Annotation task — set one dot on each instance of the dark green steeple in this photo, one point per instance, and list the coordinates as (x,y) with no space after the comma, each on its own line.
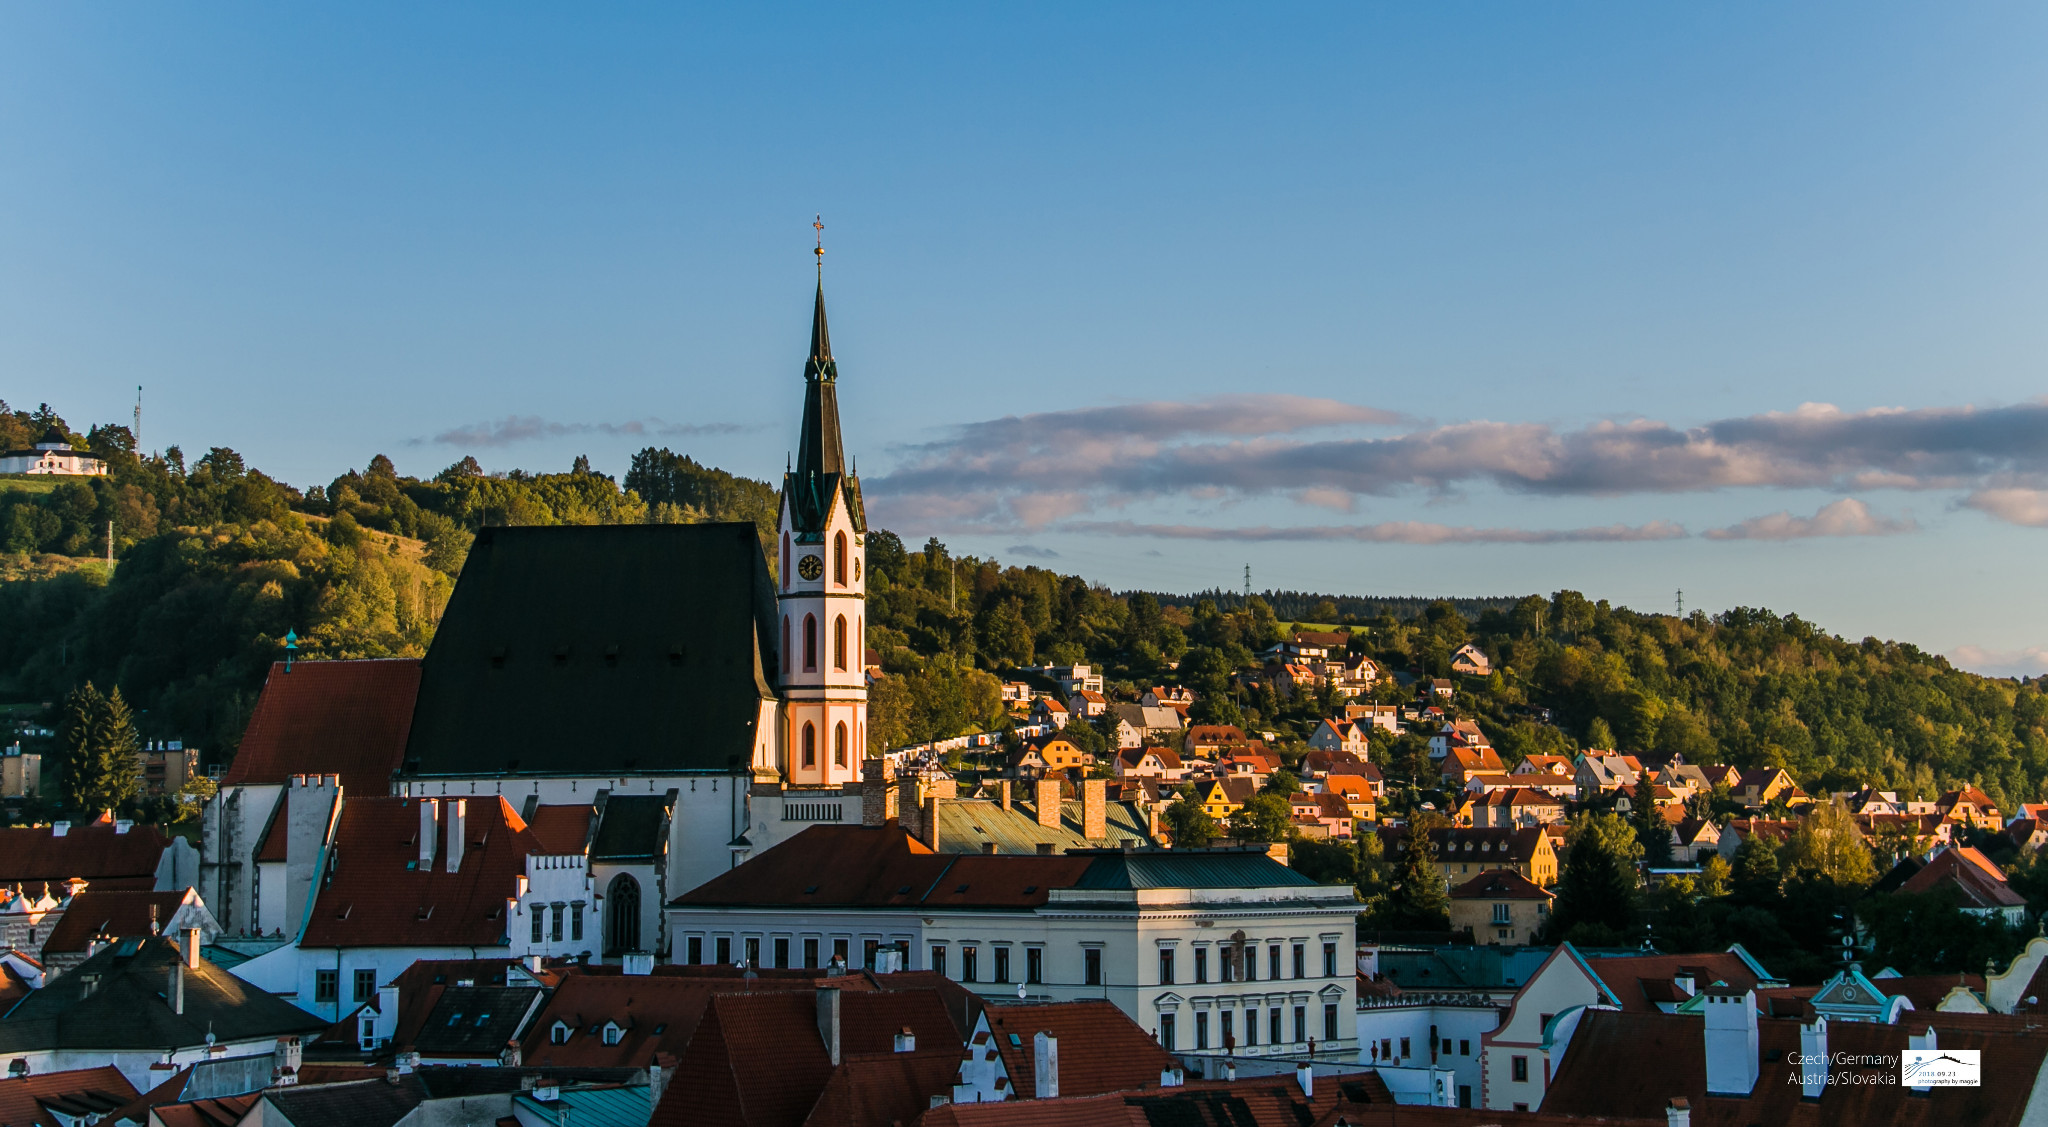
(820,455)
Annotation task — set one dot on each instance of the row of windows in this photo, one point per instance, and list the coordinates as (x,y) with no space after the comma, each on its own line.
(1227,1030)
(999,966)
(810,744)
(839,642)
(1230,968)
(543,932)
(839,559)
(780,951)
(327,984)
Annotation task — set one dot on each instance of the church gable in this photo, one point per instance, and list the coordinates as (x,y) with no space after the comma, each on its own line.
(595,650)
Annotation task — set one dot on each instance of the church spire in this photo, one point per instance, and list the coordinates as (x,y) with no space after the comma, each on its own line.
(819,452)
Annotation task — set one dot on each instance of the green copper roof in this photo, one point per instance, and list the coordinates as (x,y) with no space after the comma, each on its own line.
(1192,868)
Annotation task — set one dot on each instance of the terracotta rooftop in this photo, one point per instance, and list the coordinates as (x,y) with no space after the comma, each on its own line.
(346,718)
(882,866)
(118,912)
(562,829)
(75,1094)
(101,853)
(1101,1049)
(376,896)
(1501,884)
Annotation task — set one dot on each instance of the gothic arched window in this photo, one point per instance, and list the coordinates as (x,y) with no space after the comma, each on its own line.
(810,745)
(785,643)
(810,644)
(785,561)
(839,642)
(839,745)
(839,558)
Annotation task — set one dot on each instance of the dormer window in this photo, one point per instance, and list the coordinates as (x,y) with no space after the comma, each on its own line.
(559,1033)
(612,1033)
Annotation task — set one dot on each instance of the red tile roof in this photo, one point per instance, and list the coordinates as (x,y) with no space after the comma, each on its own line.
(1501,884)
(881,866)
(878,1089)
(1101,1049)
(561,829)
(98,852)
(1641,980)
(758,1060)
(659,1014)
(223,1112)
(372,899)
(1981,883)
(121,912)
(77,1093)
(346,718)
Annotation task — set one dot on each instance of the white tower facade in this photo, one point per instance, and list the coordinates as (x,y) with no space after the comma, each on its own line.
(821,590)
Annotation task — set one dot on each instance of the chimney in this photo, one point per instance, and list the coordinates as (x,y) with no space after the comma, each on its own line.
(510,1056)
(177,990)
(1305,1075)
(1171,1077)
(877,793)
(285,1059)
(430,831)
(1003,793)
(658,1075)
(1679,1114)
(458,832)
(191,948)
(1813,1057)
(930,828)
(1045,1065)
(1094,809)
(906,1040)
(1924,1040)
(1048,799)
(1731,1038)
(1045,849)
(828,1021)
(988,847)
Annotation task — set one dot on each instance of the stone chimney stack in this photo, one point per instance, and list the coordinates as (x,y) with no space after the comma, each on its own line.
(1678,1113)
(828,1021)
(430,832)
(177,990)
(458,832)
(658,1075)
(1305,1075)
(1731,1037)
(190,948)
(1045,1065)
(1003,793)
(930,829)
(877,793)
(1048,798)
(1095,809)
(1813,1052)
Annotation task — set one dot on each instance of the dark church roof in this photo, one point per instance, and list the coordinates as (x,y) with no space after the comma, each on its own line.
(589,650)
(820,472)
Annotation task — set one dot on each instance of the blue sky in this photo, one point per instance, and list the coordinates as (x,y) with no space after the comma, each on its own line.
(1374,298)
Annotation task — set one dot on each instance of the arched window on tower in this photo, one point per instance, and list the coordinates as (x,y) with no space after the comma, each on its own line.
(839,558)
(810,745)
(785,643)
(839,745)
(785,561)
(839,642)
(622,915)
(810,644)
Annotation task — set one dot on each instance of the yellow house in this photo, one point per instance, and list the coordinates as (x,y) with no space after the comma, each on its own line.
(1220,798)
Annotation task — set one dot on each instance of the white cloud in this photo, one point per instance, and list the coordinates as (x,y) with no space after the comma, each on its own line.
(524,428)
(1846,517)
(2029,662)
(1386,532)
(2013,506)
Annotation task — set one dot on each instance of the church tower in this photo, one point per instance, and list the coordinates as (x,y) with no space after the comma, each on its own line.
(821,591)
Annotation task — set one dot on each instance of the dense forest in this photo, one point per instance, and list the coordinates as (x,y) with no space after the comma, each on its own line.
(216,561)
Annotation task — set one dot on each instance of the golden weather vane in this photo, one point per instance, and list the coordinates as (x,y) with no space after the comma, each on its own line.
(818,221)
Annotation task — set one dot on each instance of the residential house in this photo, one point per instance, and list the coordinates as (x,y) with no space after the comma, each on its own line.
(1525,1052)
(1715,775)
(1317,764)
(1293,678)
(1440,688)
(1539,764)
(1087,703)
(1177,940)
(1693,838)
(28,916)
(1071,679)
(1500,907)
(1320,815)
(1759,788)
(1463,852)
(1139,724)
(1518,806)
(1017,694)
(139,1004)
(1162,696)
(1599,773)
(21,773)
(1979,885)
(1339,735)
(1459,733)
(1486,782)
(1048,753)
(1774,830)
(1359,791)
(167,765)
(1212,739)
(1471,661)
(1050,713)
(1220,798)
(1354,676)
(1970,807)
(1252,762)
(1464,762)
(1385,717)
(1149,763)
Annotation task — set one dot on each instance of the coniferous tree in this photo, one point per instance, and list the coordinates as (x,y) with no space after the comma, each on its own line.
(1653,833)
(75,731)
(1596,894)
(1421,898)
(112,767)
(1757,877)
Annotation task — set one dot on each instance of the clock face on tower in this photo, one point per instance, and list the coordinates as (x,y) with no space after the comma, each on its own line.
(811,567)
